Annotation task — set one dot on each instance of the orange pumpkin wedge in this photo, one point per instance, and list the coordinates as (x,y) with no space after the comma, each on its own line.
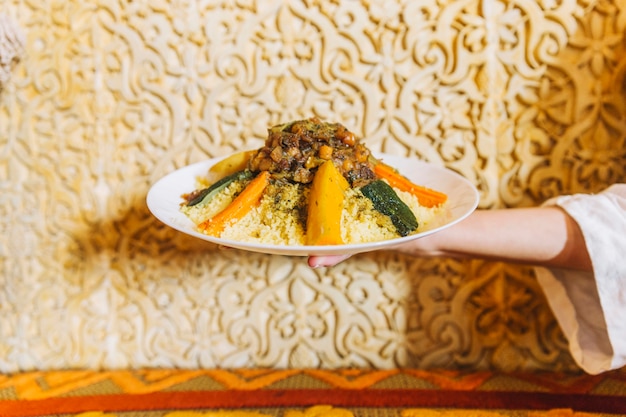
(326,198)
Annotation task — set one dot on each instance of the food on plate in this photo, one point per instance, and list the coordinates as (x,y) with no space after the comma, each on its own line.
(312,183)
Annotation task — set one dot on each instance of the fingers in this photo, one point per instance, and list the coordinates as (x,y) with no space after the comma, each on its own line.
(329,260)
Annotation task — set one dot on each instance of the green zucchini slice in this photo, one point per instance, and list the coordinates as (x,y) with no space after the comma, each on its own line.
(386,201)
(207,194)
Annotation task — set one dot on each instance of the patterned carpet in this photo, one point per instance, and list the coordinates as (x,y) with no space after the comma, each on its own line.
(291,393)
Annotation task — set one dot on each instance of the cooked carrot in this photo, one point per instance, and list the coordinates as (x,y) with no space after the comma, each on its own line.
(426,196)
(239,207)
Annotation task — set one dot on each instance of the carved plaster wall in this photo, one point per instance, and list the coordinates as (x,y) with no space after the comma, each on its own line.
(525,98)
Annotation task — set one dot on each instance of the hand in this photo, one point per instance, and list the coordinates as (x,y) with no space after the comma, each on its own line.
(327,260)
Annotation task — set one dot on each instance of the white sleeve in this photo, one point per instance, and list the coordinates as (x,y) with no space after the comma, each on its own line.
(591,307)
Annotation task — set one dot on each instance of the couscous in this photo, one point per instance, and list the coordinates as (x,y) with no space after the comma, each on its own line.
(313,183)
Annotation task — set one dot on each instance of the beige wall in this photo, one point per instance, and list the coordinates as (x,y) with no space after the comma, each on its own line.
(523,98)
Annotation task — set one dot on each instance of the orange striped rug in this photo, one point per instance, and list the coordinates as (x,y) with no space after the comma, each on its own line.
(314,393)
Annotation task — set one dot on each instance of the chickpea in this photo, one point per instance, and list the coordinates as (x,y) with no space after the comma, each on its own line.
(345,136)
(325,152)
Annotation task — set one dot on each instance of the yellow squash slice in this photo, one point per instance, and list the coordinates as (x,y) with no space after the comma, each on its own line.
(229,165)
(323,226)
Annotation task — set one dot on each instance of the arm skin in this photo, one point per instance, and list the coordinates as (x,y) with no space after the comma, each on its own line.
(541,236)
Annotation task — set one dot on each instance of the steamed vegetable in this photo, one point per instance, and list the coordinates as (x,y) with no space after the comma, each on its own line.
(239,207)
(325,206)
(207,194)
(426,196)
(229,165)
(386,201)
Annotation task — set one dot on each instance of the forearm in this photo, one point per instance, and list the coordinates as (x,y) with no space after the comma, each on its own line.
(544,236)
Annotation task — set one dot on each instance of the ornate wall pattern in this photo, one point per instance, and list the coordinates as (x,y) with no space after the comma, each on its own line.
(525,98)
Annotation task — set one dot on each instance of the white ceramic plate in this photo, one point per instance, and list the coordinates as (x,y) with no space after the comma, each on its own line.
(164,200)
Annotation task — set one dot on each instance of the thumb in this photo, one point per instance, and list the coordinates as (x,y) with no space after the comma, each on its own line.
(329,260)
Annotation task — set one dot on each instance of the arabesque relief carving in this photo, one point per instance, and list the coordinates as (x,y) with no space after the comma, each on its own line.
(525,99)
